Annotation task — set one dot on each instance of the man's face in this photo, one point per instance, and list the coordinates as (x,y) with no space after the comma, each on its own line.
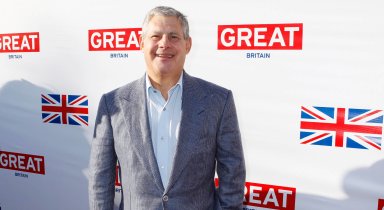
(164,46)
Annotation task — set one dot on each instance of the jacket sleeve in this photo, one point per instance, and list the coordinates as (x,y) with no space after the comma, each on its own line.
(102,162)
(230,159)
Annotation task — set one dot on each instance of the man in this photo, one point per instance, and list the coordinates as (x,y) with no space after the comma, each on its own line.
(169,131)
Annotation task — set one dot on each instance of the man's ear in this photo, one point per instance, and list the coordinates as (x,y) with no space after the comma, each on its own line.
(189,44)
(141,43)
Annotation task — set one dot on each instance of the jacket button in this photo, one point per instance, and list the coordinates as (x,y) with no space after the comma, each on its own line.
(165,198)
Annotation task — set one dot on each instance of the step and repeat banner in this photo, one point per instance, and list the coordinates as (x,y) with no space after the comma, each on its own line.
(307,77)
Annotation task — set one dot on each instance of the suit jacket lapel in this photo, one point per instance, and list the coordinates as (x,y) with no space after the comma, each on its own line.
(134,106)
(192,114)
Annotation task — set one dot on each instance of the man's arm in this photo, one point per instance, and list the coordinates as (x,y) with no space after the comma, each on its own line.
(230,159)
(102,162)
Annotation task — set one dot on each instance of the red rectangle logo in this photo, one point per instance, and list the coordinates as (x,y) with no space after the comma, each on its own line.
(22,162)
(117,176)
(20,42)
(114,39)
(260,37)
(380,205)
(269,196)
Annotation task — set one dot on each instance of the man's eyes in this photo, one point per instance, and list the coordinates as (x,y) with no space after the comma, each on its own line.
(170,37)
(155,37)
(174,37)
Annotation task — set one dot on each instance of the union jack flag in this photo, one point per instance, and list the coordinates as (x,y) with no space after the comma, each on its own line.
(341,127)
(64,109)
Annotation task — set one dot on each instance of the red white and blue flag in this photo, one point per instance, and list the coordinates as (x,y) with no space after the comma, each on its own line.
(64,109)
(341,127)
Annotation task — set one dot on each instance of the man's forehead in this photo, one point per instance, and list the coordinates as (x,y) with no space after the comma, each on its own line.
(156,26)
(170,32)
(169,20)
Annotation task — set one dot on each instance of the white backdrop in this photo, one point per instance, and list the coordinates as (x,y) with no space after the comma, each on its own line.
(340,65)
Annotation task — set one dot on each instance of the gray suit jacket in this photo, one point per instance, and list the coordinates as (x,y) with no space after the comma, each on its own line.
(209,140)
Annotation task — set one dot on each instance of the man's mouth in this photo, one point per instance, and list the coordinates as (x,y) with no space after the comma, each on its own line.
(164,55)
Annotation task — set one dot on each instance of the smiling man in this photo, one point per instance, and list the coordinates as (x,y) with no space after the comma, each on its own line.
(170,132)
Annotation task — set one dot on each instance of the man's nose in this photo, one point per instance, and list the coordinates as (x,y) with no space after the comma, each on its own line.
(164,42)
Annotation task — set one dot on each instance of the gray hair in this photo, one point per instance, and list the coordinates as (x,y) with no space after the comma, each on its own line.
(166,11)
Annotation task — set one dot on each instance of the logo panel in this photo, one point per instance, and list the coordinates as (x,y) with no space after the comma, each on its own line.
(380,205)
(341,127)
(260,37)
(20,42)
(22,162)
(268,196)
(114,39)
(64,109)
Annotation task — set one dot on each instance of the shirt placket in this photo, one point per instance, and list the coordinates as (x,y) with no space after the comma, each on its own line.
(163,145)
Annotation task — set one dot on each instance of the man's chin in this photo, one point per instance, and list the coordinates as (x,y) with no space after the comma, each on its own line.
(167,71)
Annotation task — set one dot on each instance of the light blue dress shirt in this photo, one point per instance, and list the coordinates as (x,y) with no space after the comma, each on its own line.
(164,120)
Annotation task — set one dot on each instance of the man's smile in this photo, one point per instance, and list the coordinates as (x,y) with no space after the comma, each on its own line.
(162,55)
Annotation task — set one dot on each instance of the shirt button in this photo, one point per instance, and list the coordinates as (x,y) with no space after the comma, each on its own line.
(165,109)
(162,138)
(165,198)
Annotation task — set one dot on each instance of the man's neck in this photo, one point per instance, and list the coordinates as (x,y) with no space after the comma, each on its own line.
(164,83)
